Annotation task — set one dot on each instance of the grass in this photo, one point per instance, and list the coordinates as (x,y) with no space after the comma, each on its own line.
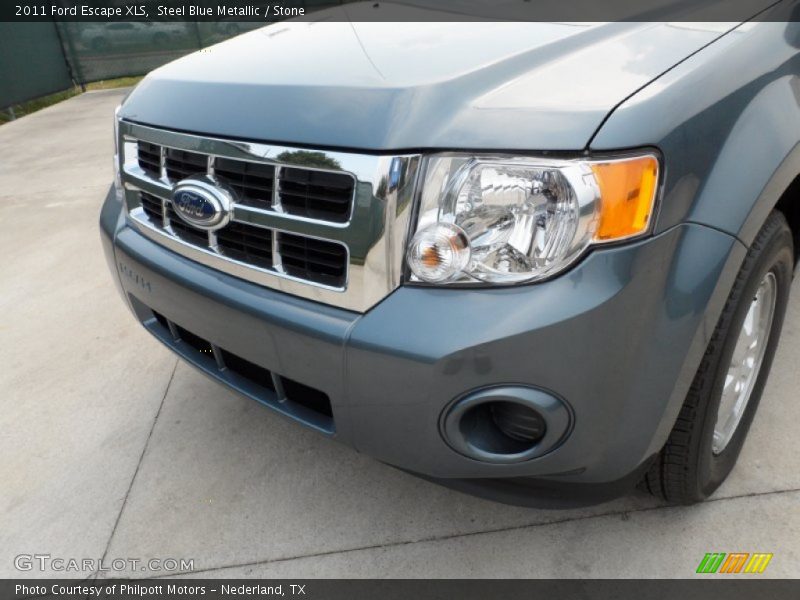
(113,83)
(26,108)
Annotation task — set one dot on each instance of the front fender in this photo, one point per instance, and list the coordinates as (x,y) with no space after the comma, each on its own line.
(728,123)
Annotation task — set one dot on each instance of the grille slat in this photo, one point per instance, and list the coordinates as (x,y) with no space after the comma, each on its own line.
(319,259)
(151,206)
(182,164)
(310,194)
(290,242)
(251,234)
(149,158)
(246,243)
(253,187)
(186,232)
(253,182)
(308,258)
(328,179)
(316,194)
(307,255)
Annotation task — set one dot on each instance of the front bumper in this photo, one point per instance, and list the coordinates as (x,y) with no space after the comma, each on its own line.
(618,337)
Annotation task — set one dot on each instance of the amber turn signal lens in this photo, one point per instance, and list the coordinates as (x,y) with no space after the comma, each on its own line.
(627,191)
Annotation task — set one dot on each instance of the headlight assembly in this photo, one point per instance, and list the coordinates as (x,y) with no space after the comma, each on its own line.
(117,175)
(505,220)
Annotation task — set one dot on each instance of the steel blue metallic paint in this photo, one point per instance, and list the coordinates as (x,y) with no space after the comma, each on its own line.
(380,86)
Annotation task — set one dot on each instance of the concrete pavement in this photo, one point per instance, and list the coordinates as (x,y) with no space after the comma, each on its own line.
(113,449)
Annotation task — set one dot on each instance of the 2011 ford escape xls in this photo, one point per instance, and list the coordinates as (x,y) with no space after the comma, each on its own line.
(536,262)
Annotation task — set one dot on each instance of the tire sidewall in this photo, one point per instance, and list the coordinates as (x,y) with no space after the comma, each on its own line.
(777,258)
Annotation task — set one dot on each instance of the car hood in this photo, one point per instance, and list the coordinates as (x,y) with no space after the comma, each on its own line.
(404,86)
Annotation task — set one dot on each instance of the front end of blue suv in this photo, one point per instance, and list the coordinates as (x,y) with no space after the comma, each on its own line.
(382,255)
(532,382)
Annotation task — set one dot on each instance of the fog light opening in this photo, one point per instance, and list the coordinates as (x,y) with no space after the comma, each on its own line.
(506,424)
(502,427)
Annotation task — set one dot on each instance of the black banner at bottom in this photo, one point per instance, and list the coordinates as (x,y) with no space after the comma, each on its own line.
(729,588)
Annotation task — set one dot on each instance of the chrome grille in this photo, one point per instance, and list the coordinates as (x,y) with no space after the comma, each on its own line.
(323,195)
(314,260)
(329,226)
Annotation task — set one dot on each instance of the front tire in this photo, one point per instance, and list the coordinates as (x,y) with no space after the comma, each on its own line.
(722,401)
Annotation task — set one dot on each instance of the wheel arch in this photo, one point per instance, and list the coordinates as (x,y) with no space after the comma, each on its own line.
(789,205)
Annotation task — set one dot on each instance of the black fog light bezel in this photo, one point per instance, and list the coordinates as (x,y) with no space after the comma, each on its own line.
(477,440)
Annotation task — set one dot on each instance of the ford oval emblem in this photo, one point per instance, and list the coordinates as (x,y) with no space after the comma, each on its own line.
(202,202)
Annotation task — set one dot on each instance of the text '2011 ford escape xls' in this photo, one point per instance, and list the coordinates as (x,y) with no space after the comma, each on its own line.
(541,267)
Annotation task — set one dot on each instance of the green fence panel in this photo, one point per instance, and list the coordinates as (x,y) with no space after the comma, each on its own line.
(31,62)
(98,51)
(40,58)
(37,59)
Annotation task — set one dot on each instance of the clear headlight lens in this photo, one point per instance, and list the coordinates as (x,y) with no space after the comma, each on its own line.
(512,220)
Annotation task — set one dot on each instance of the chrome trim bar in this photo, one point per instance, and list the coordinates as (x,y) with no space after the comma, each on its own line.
(374,236)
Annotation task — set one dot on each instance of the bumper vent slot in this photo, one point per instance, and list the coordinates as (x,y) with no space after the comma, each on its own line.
(296,400)
(248,370)
(307,396)
(196,342)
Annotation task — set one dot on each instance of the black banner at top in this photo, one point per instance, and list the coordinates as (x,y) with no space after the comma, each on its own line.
(399,10)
